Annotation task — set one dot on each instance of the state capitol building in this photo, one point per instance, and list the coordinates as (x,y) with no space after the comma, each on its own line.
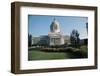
(55,36)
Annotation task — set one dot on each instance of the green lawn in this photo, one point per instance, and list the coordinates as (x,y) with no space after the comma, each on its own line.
(34,54)
(40,55)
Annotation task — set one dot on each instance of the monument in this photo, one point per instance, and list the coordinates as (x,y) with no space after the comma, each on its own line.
(54,37)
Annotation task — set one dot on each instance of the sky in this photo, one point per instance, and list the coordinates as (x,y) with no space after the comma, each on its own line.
(40,24)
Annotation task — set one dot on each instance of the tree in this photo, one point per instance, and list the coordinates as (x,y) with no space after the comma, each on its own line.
(74,38)
(29,40)
(87,27)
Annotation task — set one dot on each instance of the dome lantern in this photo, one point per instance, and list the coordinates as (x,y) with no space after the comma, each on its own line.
(55,27)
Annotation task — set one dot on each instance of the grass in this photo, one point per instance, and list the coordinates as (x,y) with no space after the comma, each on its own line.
(84,50)
(40,55)
(36,54)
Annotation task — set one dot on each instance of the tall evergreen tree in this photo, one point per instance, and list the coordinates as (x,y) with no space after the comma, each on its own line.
(29,40)
(74,38)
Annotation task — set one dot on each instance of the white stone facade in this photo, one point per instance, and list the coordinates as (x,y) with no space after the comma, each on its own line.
(55,34)
(54,37)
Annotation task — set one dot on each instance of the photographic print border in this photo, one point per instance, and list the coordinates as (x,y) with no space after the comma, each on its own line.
(15,36)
